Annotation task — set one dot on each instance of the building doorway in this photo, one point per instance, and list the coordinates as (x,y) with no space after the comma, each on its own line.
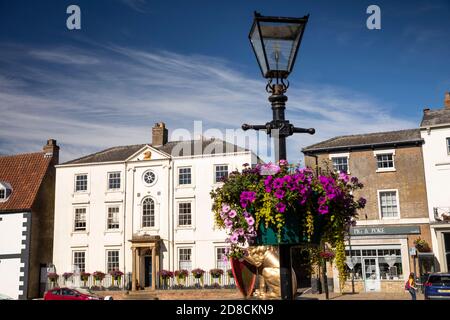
(447,249)
(148,271)
(371,275)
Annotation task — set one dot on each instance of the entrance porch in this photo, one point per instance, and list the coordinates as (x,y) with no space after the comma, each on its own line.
(145,262)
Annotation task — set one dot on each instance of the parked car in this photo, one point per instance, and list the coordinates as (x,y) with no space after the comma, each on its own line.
(70,294)
(437,286)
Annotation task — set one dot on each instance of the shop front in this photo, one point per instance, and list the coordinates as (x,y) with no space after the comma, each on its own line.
(379,258)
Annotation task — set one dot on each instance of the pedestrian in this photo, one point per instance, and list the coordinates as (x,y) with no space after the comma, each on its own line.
(410,286)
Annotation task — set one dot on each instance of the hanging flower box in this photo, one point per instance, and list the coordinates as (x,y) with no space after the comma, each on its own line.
(283,204)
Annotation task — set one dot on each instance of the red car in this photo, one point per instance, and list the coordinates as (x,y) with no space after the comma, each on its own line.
(70,294)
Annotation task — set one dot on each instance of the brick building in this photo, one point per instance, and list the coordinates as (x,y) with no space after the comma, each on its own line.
(390,165)
(27,193)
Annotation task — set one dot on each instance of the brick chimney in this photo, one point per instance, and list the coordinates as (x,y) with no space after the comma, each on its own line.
(447,100)
(51,149)
(160,135)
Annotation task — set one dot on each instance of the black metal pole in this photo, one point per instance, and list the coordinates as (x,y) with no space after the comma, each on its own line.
(278,101)
(279,128)
(351,259)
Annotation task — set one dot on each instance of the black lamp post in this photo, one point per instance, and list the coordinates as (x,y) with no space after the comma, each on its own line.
(275,41)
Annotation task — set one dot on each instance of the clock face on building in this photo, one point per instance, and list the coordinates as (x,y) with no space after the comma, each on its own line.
(149,177)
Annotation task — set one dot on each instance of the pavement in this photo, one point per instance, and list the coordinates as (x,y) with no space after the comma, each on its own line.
(362,296)
(233,294)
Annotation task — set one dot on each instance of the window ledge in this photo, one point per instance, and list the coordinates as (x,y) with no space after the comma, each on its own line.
(79,232)
(112,231)
(386,170)
(181,228)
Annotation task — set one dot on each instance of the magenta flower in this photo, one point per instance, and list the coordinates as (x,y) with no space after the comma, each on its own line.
(281,207)
(234,238)
(228,223)
(278,183)
(232,213)
(323,209)
(250,221)
(344,177)
(283,163)
(280,193)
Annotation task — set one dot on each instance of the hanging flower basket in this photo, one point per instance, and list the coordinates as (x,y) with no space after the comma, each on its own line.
(283,204)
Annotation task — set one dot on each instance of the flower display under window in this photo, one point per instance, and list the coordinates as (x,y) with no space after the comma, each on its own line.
(85,277)
(269,195)
(67,275)
(421,245)
(53,277)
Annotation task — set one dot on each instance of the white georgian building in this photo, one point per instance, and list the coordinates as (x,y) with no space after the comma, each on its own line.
(435,130)
(143,208)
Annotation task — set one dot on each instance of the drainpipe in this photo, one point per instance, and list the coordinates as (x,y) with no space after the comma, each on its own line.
(172,187)
(124,221)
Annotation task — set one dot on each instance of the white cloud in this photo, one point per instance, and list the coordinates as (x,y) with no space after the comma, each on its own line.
(108,96)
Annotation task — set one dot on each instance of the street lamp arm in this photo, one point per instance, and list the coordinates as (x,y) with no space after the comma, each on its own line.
(303,130)
(246,127)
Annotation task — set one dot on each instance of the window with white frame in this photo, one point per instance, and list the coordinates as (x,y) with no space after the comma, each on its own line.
(112,260)
(184,176)
(448,145)
(387,258)
(385,161)
(113,180)
(389,204)
(220,172)
(79,260)
(148,213)
(340,164)
(81,182)
(80,219)
(184,214)
(221,259)
(2,194)
(185,259)
(113,218)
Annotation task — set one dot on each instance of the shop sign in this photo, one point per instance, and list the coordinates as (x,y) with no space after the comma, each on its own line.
(384,230)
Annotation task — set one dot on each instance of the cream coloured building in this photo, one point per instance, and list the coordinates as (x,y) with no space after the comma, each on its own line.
(143,208)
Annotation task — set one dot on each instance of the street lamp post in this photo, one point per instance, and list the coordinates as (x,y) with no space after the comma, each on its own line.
(275,42)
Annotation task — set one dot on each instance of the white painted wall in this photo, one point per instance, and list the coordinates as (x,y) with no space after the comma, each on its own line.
(166,193)
(11,228)
(437,175)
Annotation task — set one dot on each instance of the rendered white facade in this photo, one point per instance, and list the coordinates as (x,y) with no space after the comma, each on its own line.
(437,172)
(97,240)
(14,239)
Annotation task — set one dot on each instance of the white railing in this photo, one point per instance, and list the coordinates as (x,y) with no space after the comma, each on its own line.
(190,282)
(108,283)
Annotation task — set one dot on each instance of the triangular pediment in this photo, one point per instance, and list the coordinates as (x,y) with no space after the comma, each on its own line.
(148,153)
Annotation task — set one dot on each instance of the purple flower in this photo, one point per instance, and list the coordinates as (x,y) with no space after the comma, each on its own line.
(240,231)
(225,208)
(228,223)
(250,220)
(322,200)
(323,209)
(246,214)
(278,183)
(344,177)
(234,238)
(281,207)
(354,180)
(250,229)
(232,213)
(283,162)
(269,169)
(280,193)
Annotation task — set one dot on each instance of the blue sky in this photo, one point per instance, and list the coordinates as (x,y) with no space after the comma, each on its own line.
(137,62)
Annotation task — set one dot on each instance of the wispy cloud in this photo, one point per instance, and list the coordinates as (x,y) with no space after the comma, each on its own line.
(137,5)
(111,95)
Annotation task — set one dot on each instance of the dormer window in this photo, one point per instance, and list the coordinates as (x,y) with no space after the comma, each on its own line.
(5,191)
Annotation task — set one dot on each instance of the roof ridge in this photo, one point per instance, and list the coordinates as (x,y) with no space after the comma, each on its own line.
(21,154)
